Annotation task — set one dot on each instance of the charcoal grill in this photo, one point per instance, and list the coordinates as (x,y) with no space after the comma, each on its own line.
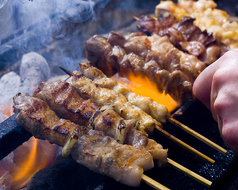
(223,174)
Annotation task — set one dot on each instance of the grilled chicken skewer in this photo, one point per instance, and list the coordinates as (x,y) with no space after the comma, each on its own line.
(184,35)
(156,110)
(104,96)
(66,102)
(173,71)
(92,148)
(208,17)
(124,163)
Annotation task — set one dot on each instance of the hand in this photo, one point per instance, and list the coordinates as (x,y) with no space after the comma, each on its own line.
(217,88)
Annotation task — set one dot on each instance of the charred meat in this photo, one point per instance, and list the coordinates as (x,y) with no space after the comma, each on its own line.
(184,35)
(152,56)
(104,97)
(67,103)
(93,149)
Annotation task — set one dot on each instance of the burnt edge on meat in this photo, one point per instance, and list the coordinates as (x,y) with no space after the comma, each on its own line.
(169,70)
(93,149)
(185,36)
(65,100)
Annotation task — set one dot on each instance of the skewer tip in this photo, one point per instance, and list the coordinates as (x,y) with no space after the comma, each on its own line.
(153,17)
(190,173)
(153,183)
(197,135)
(185,145)
(67,71)
(136,18)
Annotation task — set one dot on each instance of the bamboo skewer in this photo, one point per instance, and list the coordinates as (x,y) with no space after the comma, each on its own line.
(184,145)
(179,167)
(71,141)
(153,17)
(168,135)
(190,173)
(189,130)
(153,183)
(136,18)
(197,135)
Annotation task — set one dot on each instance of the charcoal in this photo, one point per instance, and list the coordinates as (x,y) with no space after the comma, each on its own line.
(9,84)
(34,69)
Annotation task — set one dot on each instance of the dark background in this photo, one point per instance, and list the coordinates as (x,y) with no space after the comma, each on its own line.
(231,6)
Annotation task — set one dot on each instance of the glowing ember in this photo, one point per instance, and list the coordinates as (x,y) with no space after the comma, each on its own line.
(141,85)
(38,156)
(28,159)
(5,112)
(18,167)
(35,155)
(25,172)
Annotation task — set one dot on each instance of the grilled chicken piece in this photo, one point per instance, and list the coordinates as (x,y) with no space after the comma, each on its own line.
(163,79)
(212,53)
(99,54)
(103,96)
(104,155)
(60,94)
(168,56)
(117,54)
(184,35)
(157,111)
(191,32)
(163,45)
(131,63)
(139,45)
(149,25)
(67,103)
(160,61)
(36,117)
(93,149)
(178,85)
(208,17)
(64,100)
(135,55)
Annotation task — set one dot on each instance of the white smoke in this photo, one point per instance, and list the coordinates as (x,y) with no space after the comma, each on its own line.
(2,3)
(9,84)
(39,21)
(20,14)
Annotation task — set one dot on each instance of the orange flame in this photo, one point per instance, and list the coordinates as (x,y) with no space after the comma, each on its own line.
(141,85)
(35,155)
(6,111)
(26,166)
(38,156)
(29,158)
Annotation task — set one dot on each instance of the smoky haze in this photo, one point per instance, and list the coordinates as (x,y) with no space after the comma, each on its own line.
(44,28)
(36,25)
(20,14)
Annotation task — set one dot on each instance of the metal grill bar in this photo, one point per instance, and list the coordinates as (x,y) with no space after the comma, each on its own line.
(12,135)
